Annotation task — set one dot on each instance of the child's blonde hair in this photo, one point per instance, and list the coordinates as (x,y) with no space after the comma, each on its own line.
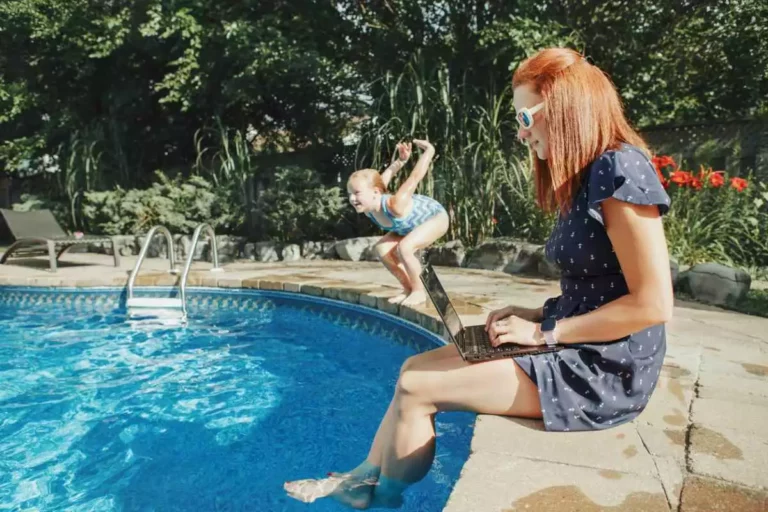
(369,176)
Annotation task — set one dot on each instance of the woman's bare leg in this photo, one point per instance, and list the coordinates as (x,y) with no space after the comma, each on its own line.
(403,448)
(422,236)
(493,387)
(384,432)
(355,487)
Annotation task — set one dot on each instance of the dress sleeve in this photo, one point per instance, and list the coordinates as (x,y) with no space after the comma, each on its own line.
(626,175)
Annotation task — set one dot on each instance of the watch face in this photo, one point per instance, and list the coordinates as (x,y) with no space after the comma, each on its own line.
(548,324)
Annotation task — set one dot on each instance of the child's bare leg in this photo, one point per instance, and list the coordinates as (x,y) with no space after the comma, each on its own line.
(422,236)
(386,248)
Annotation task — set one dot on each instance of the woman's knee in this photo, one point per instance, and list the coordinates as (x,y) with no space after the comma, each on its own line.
(413,382)
(409,364)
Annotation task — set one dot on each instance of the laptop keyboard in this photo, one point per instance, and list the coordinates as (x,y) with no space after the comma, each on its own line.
(480,342)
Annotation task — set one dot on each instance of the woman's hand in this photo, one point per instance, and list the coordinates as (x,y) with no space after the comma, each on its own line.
(530,314)
(498,314)
(424,145)
(514,329)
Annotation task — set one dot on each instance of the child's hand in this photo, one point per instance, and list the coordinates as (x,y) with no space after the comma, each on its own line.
(424,145)
(403,151)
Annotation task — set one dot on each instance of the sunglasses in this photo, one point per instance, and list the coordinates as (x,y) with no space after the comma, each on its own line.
(525,116)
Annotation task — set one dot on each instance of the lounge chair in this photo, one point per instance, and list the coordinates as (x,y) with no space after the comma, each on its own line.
(37,232)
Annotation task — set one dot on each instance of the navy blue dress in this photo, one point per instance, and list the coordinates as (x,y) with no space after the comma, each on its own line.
(602,385)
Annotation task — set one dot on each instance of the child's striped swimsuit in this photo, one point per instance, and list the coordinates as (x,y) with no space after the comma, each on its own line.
(424,208)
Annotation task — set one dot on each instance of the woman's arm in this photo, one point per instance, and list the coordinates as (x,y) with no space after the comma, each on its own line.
(400,202)
(638,239)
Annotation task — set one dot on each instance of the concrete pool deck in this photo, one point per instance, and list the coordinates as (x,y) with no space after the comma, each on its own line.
(700,445)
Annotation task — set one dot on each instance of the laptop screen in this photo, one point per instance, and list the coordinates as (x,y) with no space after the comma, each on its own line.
(441,301)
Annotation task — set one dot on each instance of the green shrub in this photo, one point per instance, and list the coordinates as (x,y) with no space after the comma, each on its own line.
(517,213)
(178,204)
(296,206)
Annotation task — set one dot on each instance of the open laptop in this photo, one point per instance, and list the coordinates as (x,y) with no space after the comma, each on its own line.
(472,342)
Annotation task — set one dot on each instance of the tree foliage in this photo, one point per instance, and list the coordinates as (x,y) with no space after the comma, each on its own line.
(124,86)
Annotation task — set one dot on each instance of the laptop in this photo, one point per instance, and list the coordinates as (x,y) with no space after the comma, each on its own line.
(472,342)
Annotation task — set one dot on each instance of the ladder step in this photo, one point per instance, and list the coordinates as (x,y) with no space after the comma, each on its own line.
(153,303)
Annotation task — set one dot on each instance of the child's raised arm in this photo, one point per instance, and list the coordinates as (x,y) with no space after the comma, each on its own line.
(400,202)
(402,154)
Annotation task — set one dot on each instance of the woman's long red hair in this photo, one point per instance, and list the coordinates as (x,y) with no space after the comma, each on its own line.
(584,117)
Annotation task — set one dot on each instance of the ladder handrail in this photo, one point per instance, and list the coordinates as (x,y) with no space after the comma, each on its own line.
(191,256)
(143,253)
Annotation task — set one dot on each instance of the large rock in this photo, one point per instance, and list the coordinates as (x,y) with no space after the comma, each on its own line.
(228,248)
(505,254)
(714,283)
(291,252)
(184,246)
(319,250)
(452,254)
(262,251)
(126,245)
(158,247)
(545,267)
(357,249)
(674,269)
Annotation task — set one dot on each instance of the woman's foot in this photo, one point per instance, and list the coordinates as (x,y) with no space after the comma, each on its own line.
(397,299)
(342,487)
(414,299)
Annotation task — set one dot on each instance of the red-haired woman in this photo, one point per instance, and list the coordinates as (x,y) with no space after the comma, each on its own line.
(593,168)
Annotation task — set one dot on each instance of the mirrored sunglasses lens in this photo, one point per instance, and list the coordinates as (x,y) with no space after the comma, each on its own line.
(525,119)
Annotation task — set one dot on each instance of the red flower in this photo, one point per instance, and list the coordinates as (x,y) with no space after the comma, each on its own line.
(739,183)
(716,179)
(661,162)
(696,183)
(494,220)
(681,178)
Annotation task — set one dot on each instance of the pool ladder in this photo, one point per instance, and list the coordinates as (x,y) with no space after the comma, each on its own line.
(168,308)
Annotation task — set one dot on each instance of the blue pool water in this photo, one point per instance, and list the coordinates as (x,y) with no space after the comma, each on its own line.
(97,414)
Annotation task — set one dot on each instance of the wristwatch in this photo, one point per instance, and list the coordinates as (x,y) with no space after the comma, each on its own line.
(548,330)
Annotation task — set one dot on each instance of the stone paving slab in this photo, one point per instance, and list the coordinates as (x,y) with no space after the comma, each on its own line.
(672,476)
(619,449)
(740,362)
(500,482)
(701,439)
(720,415)
(729,455)
(664,443)
(708,495)
(682,362)
(739,389)
(669,404)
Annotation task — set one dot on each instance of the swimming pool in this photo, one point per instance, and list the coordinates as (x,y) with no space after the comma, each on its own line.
(261,387)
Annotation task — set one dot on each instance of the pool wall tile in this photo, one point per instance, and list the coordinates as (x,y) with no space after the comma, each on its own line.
(417,334)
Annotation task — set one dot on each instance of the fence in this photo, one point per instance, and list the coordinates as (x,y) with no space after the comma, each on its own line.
(739,147)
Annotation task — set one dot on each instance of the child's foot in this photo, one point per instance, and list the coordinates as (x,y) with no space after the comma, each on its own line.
(397,299)
(342,487)
(414,299)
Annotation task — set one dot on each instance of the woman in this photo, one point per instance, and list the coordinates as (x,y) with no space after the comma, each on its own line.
(593,168)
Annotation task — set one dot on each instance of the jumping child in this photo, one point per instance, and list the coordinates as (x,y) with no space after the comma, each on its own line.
(413,221)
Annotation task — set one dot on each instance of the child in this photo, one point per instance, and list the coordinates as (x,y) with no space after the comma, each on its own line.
(413,221)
